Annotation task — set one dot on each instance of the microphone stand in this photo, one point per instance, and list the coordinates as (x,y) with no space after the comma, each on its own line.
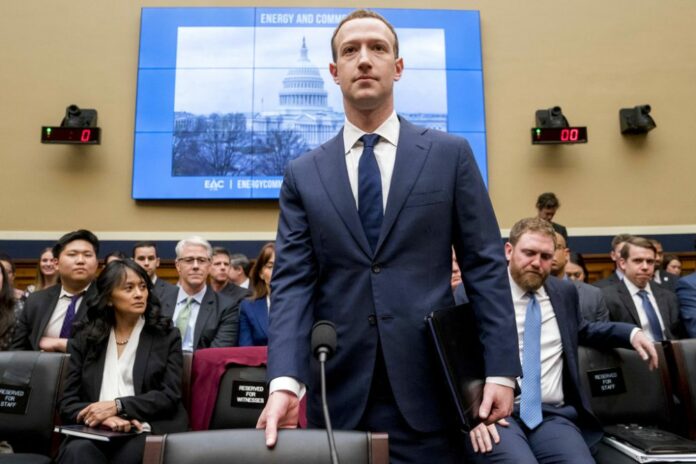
(322,351)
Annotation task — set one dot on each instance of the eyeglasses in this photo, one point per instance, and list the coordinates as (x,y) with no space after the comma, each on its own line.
(190,260)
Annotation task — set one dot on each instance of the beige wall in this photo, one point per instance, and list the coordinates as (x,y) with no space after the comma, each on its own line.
(589,57)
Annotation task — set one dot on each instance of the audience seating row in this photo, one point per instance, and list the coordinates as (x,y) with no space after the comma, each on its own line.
(211,378)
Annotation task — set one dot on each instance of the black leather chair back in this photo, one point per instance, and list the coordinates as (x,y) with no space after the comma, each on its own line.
(683,354)
(229,412)
(31,429)
(248,446)
(645,398)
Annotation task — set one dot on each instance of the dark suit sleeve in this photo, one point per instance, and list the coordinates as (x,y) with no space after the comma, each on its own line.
(686,292)
(676,325)
(479,250)
(74,397)
(163,396)
(245,338)
(228,326)
(293,287)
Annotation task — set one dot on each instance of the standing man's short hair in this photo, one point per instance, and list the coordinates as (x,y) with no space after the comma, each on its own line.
(238,260)
(144,244)
(639,242)
(193,241)
(80,234)
(221,251)
(548,200)
(532,224)
(621,238)
(359,14)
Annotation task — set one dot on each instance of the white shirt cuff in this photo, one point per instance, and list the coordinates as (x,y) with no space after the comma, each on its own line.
(504,381)
(633,334)
(287,384)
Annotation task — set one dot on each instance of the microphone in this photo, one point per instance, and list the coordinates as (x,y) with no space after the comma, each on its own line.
(323,347)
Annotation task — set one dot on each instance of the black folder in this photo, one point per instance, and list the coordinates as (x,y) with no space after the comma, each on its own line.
(460,354)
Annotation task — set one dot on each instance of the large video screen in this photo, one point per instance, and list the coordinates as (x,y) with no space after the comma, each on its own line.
(227,96)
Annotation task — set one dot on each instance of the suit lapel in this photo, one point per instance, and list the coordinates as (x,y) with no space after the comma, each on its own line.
(262,315)
(97,374)
(333,173)
(663,308)
(52,301)
(627,301)
(204,312)
(411,154)
(561,312)
(141,356)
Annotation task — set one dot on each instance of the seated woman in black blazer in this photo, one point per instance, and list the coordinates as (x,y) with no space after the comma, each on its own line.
(125,369)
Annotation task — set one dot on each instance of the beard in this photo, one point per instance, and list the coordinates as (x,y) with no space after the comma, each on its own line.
(529,281)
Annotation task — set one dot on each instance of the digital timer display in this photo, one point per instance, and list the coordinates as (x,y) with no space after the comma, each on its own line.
(76,135)
(559,135)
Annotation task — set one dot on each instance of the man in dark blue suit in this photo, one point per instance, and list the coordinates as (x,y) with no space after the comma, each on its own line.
(552,419)
(367,224)
(686,292)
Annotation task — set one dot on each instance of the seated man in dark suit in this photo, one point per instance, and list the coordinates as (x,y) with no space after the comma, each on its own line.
(552,420)
(145,254)
(686,292)
(48,316)
(638,300)
(219,276)
(615,277)
(661,277)
(205,319)
(592,305)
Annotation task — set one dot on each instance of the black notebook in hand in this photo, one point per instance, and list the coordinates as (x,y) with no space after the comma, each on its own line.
(455,336)
(92,433)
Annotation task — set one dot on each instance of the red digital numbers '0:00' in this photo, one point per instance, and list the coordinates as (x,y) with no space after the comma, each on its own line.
(569,135)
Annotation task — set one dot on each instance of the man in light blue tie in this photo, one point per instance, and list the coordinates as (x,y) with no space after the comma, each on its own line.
(552,420)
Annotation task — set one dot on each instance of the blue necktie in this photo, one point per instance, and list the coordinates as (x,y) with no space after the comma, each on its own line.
(66,329)
(370,190)
(653,320)
(530,402)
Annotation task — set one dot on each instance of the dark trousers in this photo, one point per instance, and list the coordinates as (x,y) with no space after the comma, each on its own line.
(121,451)
(406,445)
(556,440)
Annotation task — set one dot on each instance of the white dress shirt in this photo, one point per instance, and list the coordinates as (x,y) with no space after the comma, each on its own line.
(551,345)
(638,302)
(385,153)
(187,338)
(55,323)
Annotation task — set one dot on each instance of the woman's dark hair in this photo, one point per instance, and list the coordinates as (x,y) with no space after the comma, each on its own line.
(258,285)
(576,258)
(668,259)
(100,314)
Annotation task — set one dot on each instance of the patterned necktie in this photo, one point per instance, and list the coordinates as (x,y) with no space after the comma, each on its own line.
(66,329)
(370,190)
(530,402)
(182,319)
(653,320)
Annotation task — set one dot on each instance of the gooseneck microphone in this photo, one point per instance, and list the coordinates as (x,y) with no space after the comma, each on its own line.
(323,347)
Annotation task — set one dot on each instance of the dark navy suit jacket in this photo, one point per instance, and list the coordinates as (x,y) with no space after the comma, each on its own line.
(325,269)
(38,309)
(253,323)
(686,292)
(575,330)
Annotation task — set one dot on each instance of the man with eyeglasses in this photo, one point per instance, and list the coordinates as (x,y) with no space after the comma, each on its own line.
(205,319)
